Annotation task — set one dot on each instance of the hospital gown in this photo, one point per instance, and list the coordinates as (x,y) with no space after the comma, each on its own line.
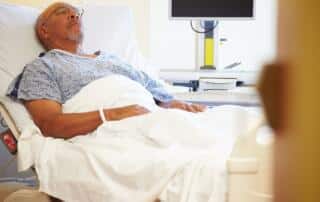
(58,75)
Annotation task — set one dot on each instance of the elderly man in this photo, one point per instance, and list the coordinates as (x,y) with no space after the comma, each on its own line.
(57,75)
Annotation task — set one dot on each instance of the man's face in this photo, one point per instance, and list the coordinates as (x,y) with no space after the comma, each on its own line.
(64,23)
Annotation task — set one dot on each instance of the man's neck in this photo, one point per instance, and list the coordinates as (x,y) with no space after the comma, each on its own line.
(73,50)
(76,52)
(70,47)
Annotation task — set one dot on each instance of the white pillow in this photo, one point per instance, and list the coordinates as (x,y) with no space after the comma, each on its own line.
(111,28)
(108,28)
(18,43)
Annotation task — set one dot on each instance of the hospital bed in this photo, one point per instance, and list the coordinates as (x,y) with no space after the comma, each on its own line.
(249,166)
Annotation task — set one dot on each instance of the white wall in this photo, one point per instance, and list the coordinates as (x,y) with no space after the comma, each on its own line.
(172,43)
(251,42)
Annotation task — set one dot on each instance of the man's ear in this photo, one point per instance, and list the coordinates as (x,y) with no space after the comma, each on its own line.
(43,31)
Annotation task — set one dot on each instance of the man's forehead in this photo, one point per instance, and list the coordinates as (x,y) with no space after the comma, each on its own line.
(54,6)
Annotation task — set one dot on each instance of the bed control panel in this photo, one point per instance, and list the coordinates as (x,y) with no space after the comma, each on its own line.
(9,141)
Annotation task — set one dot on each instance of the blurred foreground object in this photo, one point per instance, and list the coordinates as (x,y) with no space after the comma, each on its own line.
(290,94)
(272,89)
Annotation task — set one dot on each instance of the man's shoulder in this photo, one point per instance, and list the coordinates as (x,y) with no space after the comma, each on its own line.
(38,62)
(37,66)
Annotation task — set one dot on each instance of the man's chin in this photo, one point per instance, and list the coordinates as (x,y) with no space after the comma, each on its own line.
(75,37)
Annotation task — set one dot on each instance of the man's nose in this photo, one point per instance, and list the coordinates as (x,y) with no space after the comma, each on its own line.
(74,16)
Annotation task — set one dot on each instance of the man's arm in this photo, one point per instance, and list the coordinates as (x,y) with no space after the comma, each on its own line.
(48,116)
(163,98)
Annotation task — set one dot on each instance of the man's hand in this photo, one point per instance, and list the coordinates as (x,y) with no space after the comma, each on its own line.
(176,104)
(125,112)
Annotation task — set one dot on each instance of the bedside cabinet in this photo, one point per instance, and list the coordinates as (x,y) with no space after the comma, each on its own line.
(243,96)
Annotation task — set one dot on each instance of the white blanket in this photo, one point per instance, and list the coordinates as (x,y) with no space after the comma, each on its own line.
(168,154)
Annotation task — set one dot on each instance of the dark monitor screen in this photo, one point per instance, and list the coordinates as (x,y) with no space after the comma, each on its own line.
(212,8)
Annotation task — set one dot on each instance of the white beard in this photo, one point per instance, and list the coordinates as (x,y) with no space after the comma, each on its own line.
(77,37)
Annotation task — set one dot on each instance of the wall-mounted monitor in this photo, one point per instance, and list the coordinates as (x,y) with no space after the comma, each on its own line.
(212,9)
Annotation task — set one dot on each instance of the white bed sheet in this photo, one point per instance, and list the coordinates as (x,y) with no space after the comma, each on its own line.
(171,154)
